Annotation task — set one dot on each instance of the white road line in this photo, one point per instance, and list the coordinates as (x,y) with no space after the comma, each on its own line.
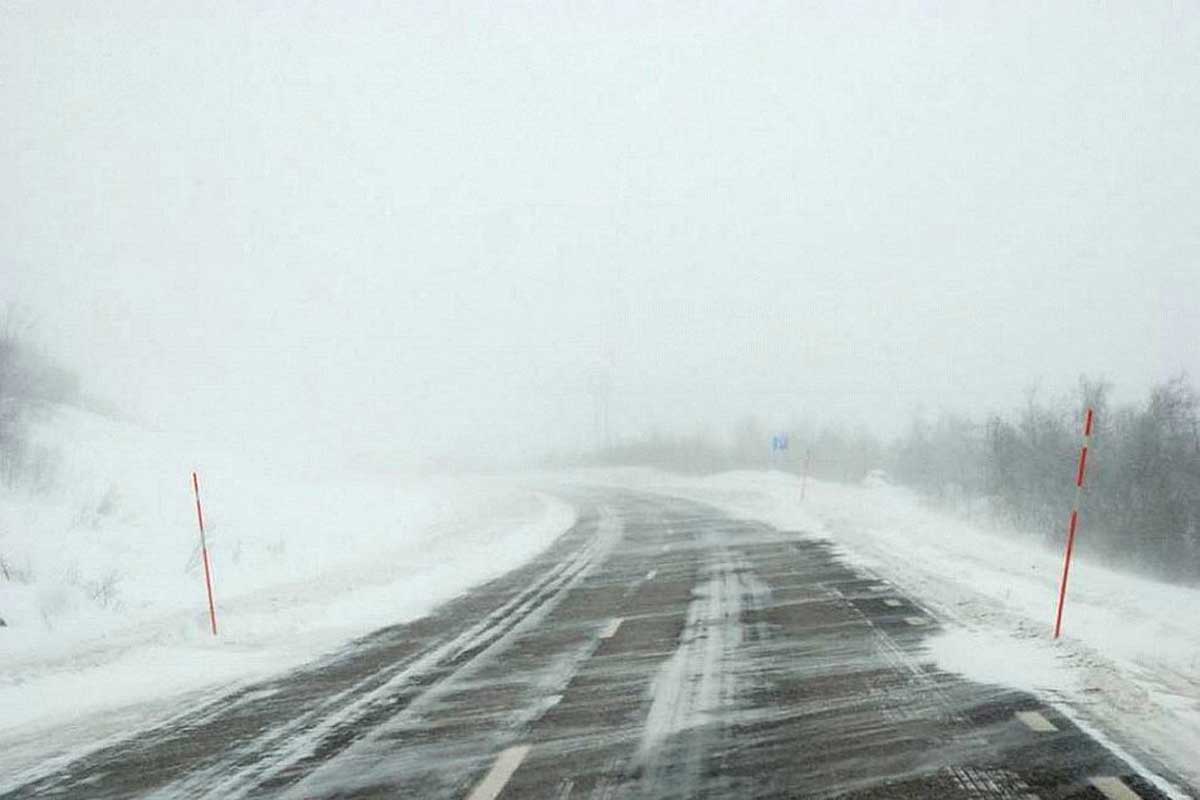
(610,630)
(650,575)
(892,602)
(1035,721)
(916,621)
(1115,789)
(494,782)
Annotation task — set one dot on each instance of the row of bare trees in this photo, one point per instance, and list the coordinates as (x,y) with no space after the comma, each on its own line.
(829,453)
(29,381)
(1142,501)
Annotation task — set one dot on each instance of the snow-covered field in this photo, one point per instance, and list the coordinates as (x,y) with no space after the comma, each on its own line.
(1129,659)
(105,604)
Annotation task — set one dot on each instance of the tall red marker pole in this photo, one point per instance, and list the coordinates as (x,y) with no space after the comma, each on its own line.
(212,609)
(1062,588)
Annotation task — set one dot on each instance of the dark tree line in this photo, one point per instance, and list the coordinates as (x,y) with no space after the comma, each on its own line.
(830,453)
(29,381)
(1141,505)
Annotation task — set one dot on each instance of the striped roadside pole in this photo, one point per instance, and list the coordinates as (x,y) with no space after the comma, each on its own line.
(1062,588)
(212,609)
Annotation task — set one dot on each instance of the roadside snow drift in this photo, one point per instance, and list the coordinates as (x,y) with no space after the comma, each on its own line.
(104,599)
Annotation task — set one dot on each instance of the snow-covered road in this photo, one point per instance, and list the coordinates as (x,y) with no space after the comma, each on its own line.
(1128,666)
(660,648)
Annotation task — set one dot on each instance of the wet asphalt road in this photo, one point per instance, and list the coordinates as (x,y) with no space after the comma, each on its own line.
(657,650)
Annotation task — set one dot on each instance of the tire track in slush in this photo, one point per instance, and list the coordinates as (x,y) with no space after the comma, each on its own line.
(699,683)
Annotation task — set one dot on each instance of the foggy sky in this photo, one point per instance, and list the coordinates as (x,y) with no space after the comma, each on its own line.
(423,231)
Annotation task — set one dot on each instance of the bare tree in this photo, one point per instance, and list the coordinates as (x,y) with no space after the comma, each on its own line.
(1143,484)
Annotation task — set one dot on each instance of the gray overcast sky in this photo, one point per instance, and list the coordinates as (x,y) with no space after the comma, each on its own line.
(423,228)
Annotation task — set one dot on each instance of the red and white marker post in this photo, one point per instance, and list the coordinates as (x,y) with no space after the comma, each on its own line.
(212,609)
(1062,589)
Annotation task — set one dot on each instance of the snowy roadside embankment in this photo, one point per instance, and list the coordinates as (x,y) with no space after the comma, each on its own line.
(104,598)
(1129,660)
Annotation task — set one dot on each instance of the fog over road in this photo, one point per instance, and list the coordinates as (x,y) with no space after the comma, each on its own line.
(658,649)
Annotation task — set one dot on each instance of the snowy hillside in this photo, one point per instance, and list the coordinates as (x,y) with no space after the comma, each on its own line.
(104,600)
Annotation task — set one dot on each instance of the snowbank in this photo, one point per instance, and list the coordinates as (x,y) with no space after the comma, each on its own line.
(105,603)
(1129,660)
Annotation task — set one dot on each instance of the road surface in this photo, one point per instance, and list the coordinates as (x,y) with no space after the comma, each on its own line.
(657,650)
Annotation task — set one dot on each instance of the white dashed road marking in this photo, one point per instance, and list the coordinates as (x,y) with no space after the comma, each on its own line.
(494,782)
(1035,721)
(916,621)
(1115,789)
(892,602)
(650,575)
(610,630)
